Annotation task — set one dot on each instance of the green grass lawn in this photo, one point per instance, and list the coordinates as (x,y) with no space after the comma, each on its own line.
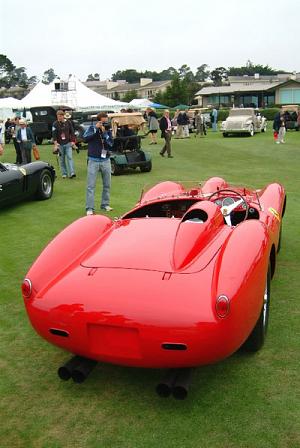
(245,401)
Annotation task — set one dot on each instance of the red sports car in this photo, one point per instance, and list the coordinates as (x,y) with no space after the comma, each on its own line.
(181,280)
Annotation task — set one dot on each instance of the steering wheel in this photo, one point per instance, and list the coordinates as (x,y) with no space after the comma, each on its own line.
(227,210)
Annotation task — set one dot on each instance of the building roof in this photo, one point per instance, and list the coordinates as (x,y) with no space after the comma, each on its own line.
(238,87)
(134,86)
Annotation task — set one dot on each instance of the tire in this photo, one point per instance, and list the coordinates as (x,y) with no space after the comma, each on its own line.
(38,139)
(279,240)
(45,186)
(251,130)
(225,134)
(146,168)
(257,337)
(115,169)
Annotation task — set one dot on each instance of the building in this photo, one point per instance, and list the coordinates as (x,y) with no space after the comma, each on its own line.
(146,88)
(253,91)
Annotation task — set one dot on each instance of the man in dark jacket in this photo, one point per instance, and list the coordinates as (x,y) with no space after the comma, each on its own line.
(64,140)
(25,139)
(166,133)
(99,140)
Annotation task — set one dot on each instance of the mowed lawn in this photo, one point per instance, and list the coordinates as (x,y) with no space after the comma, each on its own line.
(248,401)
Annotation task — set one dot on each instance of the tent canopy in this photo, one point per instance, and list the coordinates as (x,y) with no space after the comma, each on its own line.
(72,93)
(144,102)
(181,107)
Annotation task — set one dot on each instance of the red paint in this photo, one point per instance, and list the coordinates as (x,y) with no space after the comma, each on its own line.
(122,289)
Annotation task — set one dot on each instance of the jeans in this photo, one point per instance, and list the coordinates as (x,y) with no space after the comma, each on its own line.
(66,160)
(94,168)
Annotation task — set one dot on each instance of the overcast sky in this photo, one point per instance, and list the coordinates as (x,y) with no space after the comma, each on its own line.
(94,36)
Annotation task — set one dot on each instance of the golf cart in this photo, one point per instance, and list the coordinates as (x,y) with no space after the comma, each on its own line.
(291,113)
(126,151)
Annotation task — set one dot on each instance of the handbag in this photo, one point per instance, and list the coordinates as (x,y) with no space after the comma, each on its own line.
(36,153)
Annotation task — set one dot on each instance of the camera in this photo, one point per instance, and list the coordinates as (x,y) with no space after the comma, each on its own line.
(106,125)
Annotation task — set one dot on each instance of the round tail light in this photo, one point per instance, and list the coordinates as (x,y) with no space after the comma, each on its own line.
(222,306)
(26,288)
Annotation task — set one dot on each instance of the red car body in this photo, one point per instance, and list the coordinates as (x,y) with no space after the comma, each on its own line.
(178,281)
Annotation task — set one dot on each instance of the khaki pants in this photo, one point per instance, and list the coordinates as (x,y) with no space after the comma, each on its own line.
(167,146)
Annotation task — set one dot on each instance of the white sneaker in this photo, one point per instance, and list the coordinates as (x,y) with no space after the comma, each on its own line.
(89,212)
(107,208)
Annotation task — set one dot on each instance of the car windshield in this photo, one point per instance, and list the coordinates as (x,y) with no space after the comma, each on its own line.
(240,112)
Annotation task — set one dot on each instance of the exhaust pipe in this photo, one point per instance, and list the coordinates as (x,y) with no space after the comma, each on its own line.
(65,371)
(82,370)
(182,384)
(164,388)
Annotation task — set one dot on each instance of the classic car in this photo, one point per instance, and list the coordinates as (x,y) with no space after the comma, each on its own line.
(19,182)
(243,121)
(181,280)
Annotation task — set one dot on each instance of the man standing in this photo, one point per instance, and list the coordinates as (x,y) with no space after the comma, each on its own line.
(64,140)
(99,140)
(25,139)
(214,119)
(166,133)
(15,126)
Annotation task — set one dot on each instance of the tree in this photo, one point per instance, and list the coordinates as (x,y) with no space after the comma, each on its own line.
(11,76)
(49,76)
(251,69)
(202,73)
(186,73)
(95,77)
(130,95)
(130,75)
(176,93)
(218,75)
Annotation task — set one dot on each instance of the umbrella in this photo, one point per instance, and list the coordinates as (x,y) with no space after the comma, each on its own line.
(158,106)
(181,106)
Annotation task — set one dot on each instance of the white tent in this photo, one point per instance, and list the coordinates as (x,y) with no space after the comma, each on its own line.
(10,103)
(140,102)
(71,93)
(6,107)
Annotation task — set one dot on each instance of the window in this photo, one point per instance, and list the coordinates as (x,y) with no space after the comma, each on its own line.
(289,96)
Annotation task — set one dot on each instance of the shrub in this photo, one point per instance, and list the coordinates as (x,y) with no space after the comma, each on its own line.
(269,113)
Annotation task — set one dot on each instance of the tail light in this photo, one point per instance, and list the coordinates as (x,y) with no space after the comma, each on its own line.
(26,288)
(222,306)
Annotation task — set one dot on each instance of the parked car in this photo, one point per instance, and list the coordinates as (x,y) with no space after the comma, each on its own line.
(20,182)
(243,121)
(181,280)
(291,113)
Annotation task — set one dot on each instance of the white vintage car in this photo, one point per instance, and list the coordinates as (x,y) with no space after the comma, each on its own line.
(243,121)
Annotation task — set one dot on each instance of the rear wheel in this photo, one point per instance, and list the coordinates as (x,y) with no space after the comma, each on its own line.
(225,134)
(257,337)
(45,186)
(147,167)
(115,169)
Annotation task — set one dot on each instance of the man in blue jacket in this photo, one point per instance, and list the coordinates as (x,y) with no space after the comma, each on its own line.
(99,140)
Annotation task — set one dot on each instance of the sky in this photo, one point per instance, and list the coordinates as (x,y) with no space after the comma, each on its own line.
(80,37)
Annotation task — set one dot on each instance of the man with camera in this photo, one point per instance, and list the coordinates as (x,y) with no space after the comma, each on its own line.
(99,140)
(64,140)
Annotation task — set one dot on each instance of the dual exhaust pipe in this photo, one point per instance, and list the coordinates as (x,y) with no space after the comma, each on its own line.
(77,368)
(175,382)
